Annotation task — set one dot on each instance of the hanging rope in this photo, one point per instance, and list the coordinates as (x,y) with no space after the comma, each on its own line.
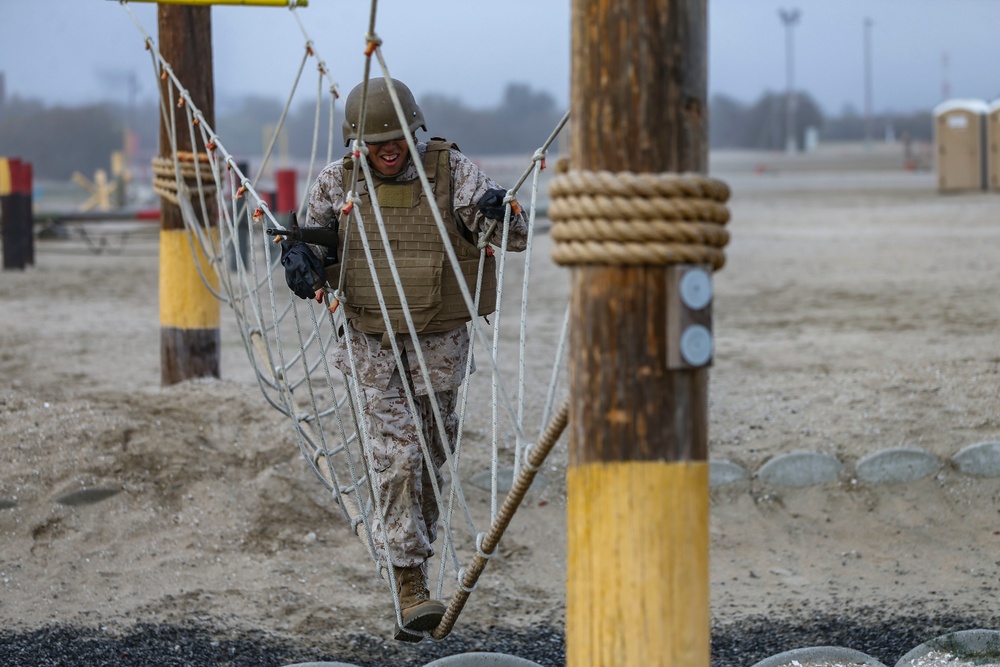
(487,544)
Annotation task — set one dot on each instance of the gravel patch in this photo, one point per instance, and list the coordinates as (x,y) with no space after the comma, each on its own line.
(883,636)
(736,644)
(202,645)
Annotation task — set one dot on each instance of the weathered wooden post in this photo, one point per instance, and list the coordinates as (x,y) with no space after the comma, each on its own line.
(633,229)
(189,313)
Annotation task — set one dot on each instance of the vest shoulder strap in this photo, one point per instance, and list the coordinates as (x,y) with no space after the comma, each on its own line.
(441,144)
(437,161)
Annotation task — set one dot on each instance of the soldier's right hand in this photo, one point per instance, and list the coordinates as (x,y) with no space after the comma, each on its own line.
(303,270)
(491,204)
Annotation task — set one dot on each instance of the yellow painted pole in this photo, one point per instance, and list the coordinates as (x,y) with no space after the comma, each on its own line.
(637,507)
(637,592)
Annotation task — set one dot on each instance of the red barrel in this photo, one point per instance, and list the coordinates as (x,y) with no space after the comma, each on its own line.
(285,181)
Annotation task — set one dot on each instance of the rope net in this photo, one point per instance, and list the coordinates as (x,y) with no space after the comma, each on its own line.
(288,341)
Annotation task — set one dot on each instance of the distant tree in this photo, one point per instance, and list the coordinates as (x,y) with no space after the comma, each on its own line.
(849,111)
(727,118)
(522,121)
(446,116)
(851,127)
(60,140)
(243,130)
(15,107)
(761,125)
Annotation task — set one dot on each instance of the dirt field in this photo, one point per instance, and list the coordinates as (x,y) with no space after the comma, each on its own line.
(857,312)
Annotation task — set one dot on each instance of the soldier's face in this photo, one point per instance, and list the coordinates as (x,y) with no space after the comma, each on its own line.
(388,157)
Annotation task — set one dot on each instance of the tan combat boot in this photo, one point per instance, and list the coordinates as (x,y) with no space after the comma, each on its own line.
(420,613)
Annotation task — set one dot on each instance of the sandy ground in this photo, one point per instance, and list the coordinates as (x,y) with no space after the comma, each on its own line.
(857,312)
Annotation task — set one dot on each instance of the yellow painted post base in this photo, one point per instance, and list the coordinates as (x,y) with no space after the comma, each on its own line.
(185,302)
(189,311)
(637,590)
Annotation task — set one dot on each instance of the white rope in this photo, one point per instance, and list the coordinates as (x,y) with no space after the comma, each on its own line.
(495,357)
(292,368)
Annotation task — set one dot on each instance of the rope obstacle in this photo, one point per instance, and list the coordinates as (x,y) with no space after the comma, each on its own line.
(600,217)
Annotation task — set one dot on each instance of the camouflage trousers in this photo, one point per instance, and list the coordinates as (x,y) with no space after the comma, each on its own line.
(401,476)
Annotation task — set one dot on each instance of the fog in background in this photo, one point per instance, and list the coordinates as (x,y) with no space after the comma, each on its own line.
(76,51)
(76,72)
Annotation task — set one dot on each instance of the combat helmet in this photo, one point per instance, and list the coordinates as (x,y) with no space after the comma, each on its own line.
(381,121)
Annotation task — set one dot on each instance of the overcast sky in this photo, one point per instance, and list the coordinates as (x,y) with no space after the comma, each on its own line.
(71,51)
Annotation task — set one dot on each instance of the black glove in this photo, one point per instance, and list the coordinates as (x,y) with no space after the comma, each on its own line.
(491,204)
(303,270)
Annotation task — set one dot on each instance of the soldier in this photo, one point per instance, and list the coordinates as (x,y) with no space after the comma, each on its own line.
(468,200)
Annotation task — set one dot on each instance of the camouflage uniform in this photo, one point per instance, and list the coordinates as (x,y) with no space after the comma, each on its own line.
(402,479)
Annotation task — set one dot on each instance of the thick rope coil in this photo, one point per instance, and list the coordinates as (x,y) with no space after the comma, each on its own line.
(583,229)
(165,174)
(600,217)
(637,207)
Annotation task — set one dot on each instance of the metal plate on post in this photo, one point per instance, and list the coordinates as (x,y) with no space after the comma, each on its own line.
(696,345)
(689,339)
(696,288)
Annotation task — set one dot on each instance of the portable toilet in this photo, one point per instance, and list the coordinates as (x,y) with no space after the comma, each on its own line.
(960,142)
(993,145)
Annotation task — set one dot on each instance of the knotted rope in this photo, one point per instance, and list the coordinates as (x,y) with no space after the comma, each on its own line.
(165,172)
(600,217)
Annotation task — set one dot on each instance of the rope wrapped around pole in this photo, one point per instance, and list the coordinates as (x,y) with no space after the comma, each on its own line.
(165,174)
(624,218)
(535,457)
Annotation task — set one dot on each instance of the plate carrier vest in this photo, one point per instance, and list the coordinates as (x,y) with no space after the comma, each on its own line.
(432,291)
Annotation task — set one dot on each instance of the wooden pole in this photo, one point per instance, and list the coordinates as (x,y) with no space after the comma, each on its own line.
(189,313)
(637,584)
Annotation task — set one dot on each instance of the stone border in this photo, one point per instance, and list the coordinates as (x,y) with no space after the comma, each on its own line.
(967,645)
(482,660)
(473,659)
(890,466)
(820,656)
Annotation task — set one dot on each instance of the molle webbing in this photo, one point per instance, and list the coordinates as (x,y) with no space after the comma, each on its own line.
(432,291)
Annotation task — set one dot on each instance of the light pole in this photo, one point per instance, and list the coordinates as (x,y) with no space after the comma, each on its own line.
(868,83)
(790,19)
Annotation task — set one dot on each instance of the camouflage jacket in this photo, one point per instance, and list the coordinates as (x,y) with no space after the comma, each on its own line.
(468,184)
(445,353)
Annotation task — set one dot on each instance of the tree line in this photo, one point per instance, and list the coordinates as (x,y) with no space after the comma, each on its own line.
(761,125)
(59,140)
